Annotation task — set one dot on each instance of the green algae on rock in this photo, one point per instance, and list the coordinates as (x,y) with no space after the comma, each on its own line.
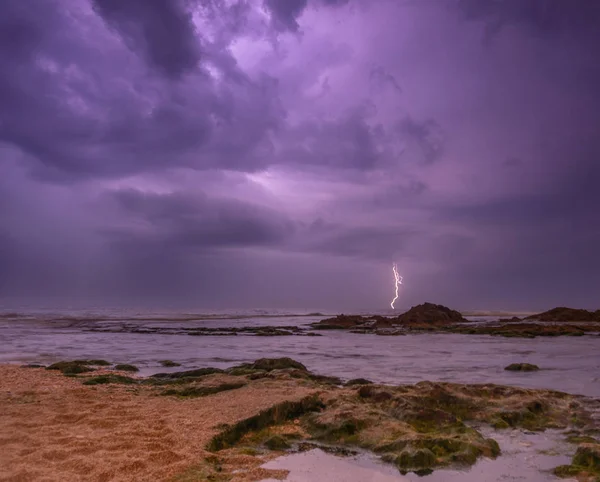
(203,391)
(585,465)
(71,367)
(111,378)
(417,427)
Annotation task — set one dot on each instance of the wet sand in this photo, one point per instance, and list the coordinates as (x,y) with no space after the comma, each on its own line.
(52,428)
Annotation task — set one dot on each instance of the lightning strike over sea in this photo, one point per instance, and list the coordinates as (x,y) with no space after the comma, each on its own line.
(397,283)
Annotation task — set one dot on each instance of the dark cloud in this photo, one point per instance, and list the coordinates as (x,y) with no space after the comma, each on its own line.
(546,17)
(382,79)
(79,112)
(285,12)
(161,29)
(426,136)
(348,142)
(196,222)
(369,242)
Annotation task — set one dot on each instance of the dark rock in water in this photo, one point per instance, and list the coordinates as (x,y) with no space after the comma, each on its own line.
(269,364)
(566,314)
(124,367)
(71,367)
(415,459)
(169,363)
(425,314)
(329,449)
(588,455)
(33,365)
(585,464)
(525,330)
(514,319)
(277,442)
(430,313)
(522,367)
(358,381)
(343,322)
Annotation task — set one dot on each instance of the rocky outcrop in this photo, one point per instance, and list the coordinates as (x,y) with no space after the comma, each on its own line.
(417,427)
(421,316)
(431,314)
(566,314)
(352,322)
(585,465)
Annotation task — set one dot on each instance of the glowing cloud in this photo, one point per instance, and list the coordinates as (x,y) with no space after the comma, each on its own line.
(397,283)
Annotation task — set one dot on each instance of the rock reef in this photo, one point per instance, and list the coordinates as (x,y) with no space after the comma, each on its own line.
(564,314)
(429,317)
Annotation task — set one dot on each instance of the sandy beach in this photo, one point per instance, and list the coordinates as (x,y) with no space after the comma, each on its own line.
(54,429)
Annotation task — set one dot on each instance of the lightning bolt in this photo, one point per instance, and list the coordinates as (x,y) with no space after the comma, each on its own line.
(397,283)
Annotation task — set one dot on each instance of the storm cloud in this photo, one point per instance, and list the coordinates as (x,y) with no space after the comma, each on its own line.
(286,153)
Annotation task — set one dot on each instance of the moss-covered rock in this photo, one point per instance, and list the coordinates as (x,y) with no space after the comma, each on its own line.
(585,464)
(71,367)
(269,364)
(105,379)
(415,459)
(522,367)
(277,442)
(358,381)
(275,415)
(169,363)
(203,391)
(417,427)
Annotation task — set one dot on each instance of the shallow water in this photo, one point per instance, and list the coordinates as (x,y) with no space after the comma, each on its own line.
(570,364)
(529,457)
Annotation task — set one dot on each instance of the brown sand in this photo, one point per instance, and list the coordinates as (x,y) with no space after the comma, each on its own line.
(53,428)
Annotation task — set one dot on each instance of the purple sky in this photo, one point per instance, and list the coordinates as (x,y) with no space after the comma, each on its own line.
(284,153)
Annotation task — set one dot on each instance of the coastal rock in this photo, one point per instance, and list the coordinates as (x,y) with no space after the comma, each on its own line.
(524,330)
(269,364)
(277,442)
(562,313)
(358,381)
(71,367)
(522,367)
(422,317)
(514,319)
(341,322)
(430,313)
(585,465)
(169,363)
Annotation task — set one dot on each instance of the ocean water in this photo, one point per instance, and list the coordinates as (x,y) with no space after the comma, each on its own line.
(570,364)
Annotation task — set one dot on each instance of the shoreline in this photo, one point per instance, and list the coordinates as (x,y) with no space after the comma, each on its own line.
(225,424)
